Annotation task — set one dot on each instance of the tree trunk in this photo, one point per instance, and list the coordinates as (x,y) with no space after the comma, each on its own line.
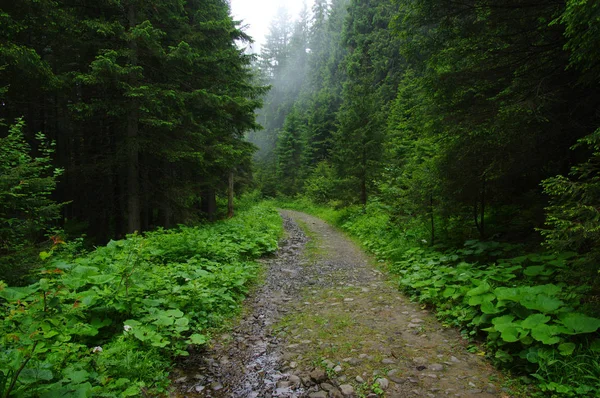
(133,188)
(432,220)
(209,203)
(363,179)
(482,222)
(230,196)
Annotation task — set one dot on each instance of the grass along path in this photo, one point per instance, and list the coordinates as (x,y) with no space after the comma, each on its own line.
(328,323)
(353,323)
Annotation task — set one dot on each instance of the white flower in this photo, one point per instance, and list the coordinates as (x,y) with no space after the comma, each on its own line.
(424,240)
(97,349)
(127,328)
(187,279)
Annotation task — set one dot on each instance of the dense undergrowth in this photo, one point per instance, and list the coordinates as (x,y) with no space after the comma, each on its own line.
(536,317)
(109,322)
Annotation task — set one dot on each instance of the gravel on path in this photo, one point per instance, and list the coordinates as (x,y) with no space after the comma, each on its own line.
(327,323)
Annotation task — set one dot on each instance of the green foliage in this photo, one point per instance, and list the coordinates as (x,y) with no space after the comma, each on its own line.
(320,186)
(573,216)
(107,323)
(27,211)
(583,31)
(533,319)
(148,102)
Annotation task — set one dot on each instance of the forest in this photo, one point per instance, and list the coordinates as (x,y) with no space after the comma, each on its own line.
(458,142)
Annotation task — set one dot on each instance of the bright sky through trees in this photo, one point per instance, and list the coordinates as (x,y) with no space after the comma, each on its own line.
(257,14)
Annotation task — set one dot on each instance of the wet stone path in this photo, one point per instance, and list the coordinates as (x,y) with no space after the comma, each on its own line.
(327,323)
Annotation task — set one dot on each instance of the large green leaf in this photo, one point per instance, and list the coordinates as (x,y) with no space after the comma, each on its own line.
(566,349)
(482,298)
(579,323)
(501,320)
(534,320)
(17,293)
(510,334)
(84,271)
(546,333)
(508,293)
(542,303)
(198,339)
(483,287)
(487,307)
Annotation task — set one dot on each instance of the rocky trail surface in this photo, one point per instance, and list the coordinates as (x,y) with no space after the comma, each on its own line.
(327,323)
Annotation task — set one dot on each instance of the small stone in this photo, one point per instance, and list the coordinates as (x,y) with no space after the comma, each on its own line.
(416,320)
(328,364)
(436,367)
(293,365)
(335,394)
(413,325)
(348,299)
(413,380)
(318,375)
(363,356)
(347,390)
(283,384)
(181,380)
(318,394)
(294,381)
(388,361)
(327,387)
(471,384)
(420,360)
(383,383)
(491,389)
(359,379)
(199,388)
(397,380)
(216,386)
(342,379)
(454,359)
(354,361)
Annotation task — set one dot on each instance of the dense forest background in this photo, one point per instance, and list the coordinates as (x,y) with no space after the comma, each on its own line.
(141,107)
(458,141)
(455,117)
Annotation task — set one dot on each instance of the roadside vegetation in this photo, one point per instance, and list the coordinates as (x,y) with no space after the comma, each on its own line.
(457,141)
(110,321)
(533,311)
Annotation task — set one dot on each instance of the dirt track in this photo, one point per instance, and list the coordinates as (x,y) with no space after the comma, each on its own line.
(327,323)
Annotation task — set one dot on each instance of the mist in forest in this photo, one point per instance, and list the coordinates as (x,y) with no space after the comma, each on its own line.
(295,49)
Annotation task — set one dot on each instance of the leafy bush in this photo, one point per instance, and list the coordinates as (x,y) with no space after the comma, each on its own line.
(26,209)
(526,320)
(107,323)
(320,186)
(574,213)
